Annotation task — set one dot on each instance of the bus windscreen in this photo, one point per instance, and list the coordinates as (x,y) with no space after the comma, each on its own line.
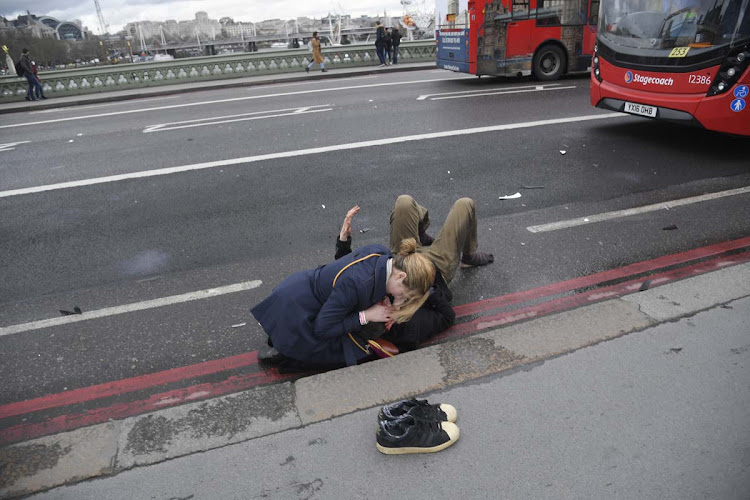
(666,24)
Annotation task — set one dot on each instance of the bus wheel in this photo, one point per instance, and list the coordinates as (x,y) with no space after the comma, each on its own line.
(549,63)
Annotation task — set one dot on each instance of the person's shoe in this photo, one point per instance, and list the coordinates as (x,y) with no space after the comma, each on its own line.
(477,259)
(42,97)
(419,409)
(324,71)
(307,70)
(413,435)
(27,98)
(270,356)
(425,239)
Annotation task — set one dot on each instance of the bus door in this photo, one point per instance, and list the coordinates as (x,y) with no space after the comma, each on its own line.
(589,31)
(518,46)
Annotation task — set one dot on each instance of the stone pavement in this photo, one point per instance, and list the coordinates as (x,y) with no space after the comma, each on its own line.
(123,95)
(298,411)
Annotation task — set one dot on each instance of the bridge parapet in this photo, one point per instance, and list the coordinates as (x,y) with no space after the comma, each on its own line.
(195,69)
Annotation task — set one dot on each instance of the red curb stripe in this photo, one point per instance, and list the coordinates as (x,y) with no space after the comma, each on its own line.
(128,385)
(200,392)
(593,279)
(141,382)
(586,298)
(63,423)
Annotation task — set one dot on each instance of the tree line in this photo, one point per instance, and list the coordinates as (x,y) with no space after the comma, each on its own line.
(49,52)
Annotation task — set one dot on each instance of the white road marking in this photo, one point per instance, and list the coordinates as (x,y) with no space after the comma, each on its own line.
(10,146)
(500,92)
(305,152)
(85,107)
(533,87)
(127,308)
(231,99)
(216,120)
(590,219)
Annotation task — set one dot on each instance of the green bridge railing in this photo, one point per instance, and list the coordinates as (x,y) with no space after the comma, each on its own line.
(196,69)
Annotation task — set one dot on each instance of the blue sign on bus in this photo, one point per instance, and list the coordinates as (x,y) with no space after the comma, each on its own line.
(453,49)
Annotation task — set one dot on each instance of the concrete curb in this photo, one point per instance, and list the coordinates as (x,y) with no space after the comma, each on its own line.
(113,447)
(103,97)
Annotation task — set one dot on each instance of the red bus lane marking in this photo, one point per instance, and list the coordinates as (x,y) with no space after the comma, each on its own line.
(593,279)
(586,298)
(199,392)
(62,423)
(128,385)
(249,359)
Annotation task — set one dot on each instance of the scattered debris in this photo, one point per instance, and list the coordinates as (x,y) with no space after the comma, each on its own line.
(370,100)
(323,206)
(449,171)
(79,135)
(510,196)
(364,230)
(671,227)
(532,187)
(645,286)
(562,151)
(676,349)
(585,219)
(76,310)
(70,140)
(238,325)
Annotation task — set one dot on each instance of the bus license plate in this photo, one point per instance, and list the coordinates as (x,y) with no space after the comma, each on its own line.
(640,109)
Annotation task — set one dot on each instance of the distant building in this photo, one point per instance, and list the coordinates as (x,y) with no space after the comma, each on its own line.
(45,27)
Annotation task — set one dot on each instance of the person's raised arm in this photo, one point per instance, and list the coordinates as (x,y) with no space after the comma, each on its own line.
(344,243)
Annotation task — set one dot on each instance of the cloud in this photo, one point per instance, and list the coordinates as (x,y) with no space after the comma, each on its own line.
(120,12)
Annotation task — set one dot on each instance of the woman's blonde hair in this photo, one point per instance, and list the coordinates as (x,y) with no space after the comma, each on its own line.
(420,275)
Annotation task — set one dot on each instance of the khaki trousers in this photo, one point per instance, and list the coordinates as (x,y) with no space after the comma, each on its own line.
(458,235)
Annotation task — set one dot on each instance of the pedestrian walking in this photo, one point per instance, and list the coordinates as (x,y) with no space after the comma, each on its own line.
(388,45)
(24,67)
(395,42)
(38,89)
(380,42)
(317,54)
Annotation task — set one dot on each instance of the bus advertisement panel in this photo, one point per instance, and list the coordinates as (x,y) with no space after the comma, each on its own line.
(453,49)
(546,38)
(685,61)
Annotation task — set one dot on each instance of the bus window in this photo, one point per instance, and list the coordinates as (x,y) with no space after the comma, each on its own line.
(520,9)
(594,13)
(561,12)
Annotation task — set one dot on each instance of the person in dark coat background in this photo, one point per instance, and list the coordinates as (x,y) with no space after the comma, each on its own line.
(395,43)
(314,316)
(28,71)
(380,42)
(388,45)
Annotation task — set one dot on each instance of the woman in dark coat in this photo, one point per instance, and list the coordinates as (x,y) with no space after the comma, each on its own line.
(314,316)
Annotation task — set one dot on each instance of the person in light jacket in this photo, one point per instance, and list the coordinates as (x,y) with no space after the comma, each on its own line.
(317,54)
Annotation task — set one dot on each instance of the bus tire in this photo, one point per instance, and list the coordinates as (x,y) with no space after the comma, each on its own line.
(549,63)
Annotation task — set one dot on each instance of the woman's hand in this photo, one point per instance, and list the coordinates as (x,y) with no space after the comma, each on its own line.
(379,313)
(346,227)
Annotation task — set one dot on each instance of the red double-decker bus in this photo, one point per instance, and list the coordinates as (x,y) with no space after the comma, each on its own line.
(546,38)
(685,61)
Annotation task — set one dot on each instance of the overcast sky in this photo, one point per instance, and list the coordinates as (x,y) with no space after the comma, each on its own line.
(119,12)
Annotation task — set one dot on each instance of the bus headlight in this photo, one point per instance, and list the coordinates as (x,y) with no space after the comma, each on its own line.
(595,63)
(731,69)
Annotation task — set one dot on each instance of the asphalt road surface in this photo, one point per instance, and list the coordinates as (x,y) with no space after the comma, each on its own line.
(115,204)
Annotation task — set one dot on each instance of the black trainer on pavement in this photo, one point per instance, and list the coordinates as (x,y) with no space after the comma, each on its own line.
(419,409)
(413,435)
